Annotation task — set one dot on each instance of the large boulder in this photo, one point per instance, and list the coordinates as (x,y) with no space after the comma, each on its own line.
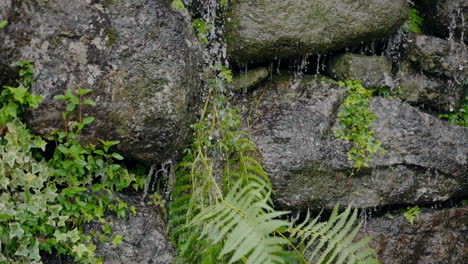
(435,237)
(140,58)
(426,158)
(444,18)
(263,30)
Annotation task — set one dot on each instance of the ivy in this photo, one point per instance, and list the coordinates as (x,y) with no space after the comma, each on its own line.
(356,120)
(45,202)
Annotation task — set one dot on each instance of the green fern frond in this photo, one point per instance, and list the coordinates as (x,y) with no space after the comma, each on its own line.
(244,222)
(333,241)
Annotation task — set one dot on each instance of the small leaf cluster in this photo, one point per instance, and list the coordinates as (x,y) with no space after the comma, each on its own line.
(44,202)
(459,118)
(356,120)
(412,213)
(414,22)
(202,28)
(14,99)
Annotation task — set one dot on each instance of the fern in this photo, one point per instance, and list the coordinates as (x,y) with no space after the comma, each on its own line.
(332,241)
(245,221)
(414,22)
(222,212)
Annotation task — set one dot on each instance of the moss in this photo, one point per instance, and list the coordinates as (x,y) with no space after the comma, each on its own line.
(111,37)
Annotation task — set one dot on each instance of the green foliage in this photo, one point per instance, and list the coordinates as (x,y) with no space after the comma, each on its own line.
(43,204)
(3,24)
(178,4)
(222,211)
(13,100)
(202,28)
(412,213)
(355,121)
(333,241)
(459,118)
(414,22)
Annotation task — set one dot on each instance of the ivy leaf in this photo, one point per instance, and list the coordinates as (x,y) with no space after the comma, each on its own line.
(59,236)
(118,240)
(73,235)
(11,109)
(16,230)
(22,251)
(80,250)
(107,229)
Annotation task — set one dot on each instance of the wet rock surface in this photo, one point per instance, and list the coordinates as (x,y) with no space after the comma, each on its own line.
(373,71)
(437,236)
(429,92)
(438,57)
(264,30)
(140,58)
(248,79)
(293,127)
(444,18)
(144,237)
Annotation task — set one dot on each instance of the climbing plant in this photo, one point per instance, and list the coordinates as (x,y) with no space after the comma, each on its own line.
(356,120)
(45,202)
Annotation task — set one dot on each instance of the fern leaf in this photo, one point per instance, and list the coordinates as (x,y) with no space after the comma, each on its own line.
(244,220)
(333,241)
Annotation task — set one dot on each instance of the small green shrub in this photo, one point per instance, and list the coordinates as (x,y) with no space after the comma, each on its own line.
(356,120)
(44,203)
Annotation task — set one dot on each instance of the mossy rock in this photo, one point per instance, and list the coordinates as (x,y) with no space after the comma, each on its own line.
(264,30)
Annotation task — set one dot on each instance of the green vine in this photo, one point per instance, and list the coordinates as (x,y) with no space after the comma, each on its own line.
(356,120)
(45,202)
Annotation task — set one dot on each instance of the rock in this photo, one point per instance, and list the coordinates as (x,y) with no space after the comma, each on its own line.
(436,237)
(374,71)
(144,234)
(248,79)
(263,30)
(426,158)
(145,237)
(441,95)
(438,57)
(444,18)
(140,58)
(5,7)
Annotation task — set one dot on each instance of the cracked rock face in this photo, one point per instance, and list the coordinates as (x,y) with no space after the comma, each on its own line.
(140,58)
(436,237)
(293,127)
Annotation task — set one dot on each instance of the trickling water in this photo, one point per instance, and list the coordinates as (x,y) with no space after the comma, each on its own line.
(394,46)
